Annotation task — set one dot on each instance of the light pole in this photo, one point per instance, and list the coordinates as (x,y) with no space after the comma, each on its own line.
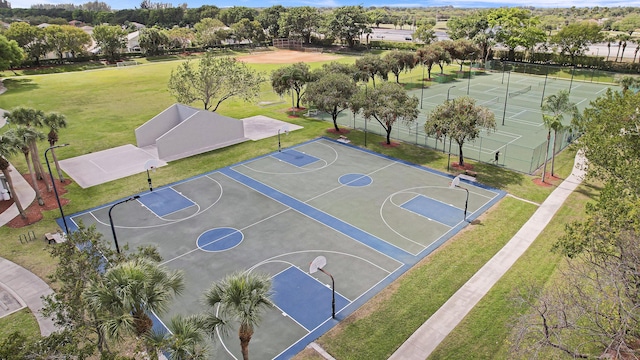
(422,91)
(469,82)
(317,264)
(449,89)
(546,74)
(53,183)
(455,184)
(113,229)
(573,70)
(506,97)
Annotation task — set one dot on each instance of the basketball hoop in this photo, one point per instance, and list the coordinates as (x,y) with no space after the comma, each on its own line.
(151,164)
(318,264)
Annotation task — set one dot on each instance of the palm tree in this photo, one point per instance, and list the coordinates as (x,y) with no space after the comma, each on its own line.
(241,297)
(553,108)
(128,292)
(8,148)
(627,82)
(22,137)
(55,122)
(186,339)
(29,118)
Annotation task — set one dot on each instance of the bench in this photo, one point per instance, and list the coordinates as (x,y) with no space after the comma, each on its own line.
(55,237)
(311,112)
(343,139)
(471,174)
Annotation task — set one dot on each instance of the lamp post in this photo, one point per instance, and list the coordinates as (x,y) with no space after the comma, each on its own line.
(573,70)
(113,229)
(53,183)
(317,264)
(469,82)
(506,97)
(455,184)
(546,75)
(422,90)
(449,89)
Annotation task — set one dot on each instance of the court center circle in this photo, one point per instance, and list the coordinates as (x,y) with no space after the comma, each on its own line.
(219,239)
(355,180)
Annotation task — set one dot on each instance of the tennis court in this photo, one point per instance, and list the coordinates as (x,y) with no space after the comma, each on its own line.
(514,98)
(372,217)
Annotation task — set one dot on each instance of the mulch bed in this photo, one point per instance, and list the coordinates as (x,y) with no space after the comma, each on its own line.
(463,168)
(548,180)
(34,211)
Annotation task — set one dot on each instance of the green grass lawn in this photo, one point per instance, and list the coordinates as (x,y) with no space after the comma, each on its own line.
(103,107)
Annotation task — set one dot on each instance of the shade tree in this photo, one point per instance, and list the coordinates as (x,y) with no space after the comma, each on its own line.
(111,39)
(388,103)
(331,93)
(370,66)
(213,80)
(460,119)
(347,23)
(575,38)
(399,61)
(291,79)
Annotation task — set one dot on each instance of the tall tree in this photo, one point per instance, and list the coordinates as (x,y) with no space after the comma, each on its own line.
(347,23)
(153,40)
(628,24)
(30,118)
(22,136)
(246,29)
(213,81)
(425,34)
(208,32)
(7,149)
(300,23)
(387,103)
(180,37)
(10,53)
(110,39)
(430,55)
(332,93)
(596,299)
(127,292)
(575,38)
(553,109)
(509,22)
(399,61)
(291,79)
(372,65)
(460,119)
(269,17)
(55,122)
(241,298)
(30,38)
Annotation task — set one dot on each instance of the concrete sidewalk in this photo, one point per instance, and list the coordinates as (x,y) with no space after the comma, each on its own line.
(422,343)
(17,280)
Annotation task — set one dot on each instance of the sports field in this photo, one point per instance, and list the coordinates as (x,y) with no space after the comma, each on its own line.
(372,217)
(515,100)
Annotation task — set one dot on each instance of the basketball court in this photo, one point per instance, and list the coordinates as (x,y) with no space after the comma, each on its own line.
(369,217)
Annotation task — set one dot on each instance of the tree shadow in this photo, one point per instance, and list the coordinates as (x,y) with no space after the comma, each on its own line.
(16,86)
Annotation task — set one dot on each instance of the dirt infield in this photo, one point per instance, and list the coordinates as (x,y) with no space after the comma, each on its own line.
(286,56)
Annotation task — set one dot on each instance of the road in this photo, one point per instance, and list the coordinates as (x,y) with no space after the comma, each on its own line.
(407,36)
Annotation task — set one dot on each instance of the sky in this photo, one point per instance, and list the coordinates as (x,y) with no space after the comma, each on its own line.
(132,4)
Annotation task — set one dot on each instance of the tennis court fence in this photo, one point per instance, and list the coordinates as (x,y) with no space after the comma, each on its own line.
(512,156)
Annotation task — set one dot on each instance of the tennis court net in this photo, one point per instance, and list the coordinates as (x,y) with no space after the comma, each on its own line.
(495,100)
(520,92)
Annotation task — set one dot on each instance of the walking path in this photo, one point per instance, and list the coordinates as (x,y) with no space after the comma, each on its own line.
(422,343)
(16,280)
